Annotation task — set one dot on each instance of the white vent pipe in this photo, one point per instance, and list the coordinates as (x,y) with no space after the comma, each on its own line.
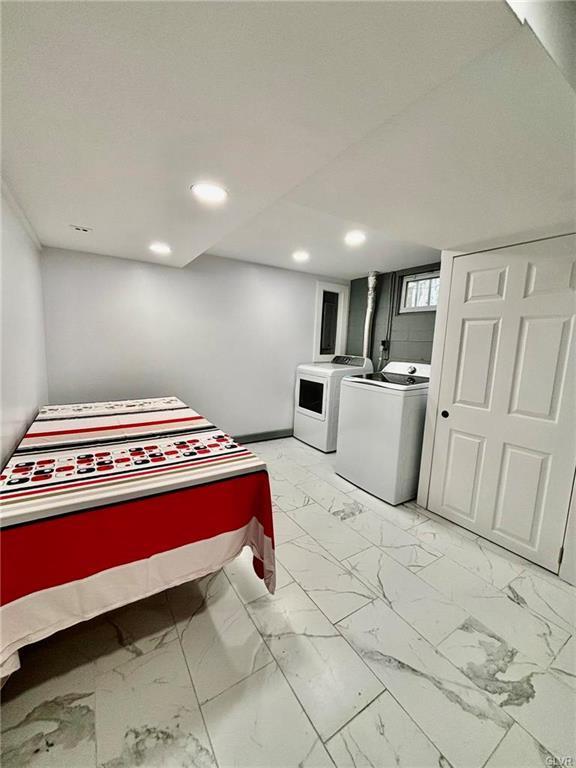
(366,347)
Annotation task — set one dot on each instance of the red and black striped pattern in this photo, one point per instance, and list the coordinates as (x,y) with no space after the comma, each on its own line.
(82,455)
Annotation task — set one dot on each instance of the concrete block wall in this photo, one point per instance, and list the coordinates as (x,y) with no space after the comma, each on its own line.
(412,332)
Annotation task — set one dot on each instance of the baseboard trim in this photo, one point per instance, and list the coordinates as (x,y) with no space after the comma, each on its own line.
(257,437)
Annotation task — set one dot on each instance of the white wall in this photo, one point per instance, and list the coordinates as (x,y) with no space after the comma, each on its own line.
(223,335)
(23,359)
(554,23)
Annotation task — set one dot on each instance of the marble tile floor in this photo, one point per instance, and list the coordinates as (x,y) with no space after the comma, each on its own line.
(394,640)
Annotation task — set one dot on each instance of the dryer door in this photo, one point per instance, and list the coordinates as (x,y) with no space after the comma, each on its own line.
(311,395)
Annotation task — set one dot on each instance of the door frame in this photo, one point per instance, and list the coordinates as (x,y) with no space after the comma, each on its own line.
(436,365)
(568,565)
(567,569)
(343,292)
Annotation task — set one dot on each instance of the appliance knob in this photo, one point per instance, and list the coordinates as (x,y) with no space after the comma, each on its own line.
(412,369)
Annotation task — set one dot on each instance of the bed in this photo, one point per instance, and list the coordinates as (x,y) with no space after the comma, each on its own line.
(103,504)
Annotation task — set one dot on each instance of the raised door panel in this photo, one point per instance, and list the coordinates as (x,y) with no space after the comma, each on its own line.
(477,355)
(521,495)
(486,284)
(540,366)
(463,473)
(550,276)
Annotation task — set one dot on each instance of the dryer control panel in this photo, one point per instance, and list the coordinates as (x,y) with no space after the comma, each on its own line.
(349,360)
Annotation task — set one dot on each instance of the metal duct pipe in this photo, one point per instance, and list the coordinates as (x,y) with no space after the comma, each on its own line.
(372,280)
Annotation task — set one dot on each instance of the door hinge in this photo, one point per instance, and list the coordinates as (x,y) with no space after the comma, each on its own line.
(561,555)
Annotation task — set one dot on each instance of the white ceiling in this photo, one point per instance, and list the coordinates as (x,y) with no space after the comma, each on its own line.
(271,236)
(441,123)
(487,159)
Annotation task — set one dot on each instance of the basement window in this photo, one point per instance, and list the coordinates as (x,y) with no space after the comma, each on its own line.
(420,292)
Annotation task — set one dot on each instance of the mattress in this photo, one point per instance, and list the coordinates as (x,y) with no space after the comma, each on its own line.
(106,503)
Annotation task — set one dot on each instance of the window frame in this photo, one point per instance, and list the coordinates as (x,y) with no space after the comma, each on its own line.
(330,301)
(416,276)
(343,292)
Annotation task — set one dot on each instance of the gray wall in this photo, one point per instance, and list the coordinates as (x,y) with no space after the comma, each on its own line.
(223,335)
(23,360)
(412,332)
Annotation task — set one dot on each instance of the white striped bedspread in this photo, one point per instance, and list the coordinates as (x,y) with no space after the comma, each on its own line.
(80,455)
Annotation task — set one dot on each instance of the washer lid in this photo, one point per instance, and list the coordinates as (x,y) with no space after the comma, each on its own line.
(408,369)
(402,376)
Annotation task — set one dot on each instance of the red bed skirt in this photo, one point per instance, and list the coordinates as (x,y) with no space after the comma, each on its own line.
(46,553)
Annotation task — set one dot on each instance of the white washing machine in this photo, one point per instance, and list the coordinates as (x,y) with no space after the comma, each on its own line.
(380,431)
(317,398)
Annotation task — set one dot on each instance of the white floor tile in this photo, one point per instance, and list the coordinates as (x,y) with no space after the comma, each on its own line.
(339,504)
(492,664)
(309,455)
(402,516)
(147,714)
(519,750)
(288,496)
(285,529)
(329,531)
(552,578)
(426,609)
(270,450)
(328,677)
(537,638)
(459,530)
(463,722)
(325,471)
(534,697)
(550,716)
(474,645)
(48,709)
(290,470)
(475,554)
(564,665)
(220,642)
(260,724)
(330,585)
(129,632)
(396,542)
(544,599)
(303,454)
(383,735)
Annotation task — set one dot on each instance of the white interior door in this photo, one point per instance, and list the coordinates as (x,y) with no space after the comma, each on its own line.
(505,446)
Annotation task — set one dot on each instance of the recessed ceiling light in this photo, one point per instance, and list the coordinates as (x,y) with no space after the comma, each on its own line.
(354,238)
(80,228)
(211,194)
(301,256)
(160,249)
